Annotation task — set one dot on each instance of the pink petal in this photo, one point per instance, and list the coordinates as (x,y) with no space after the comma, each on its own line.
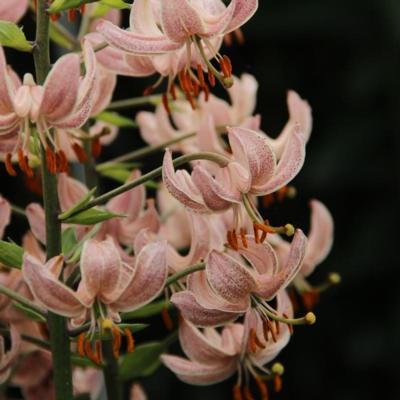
(267,285)
(133,42)
(180,185)
(36,219)
(148,280)
(100,270)
(199,374)
(103,89)
(288,167)
(320,238)
(12,11)
(6,105)
(198,315)
(61,88)
(196,346)
(47,289)
(216,197)
(70,191)
(5,215)
(251,150)
(180,20)
(137,393)
(141,18)
(206,297)
(207,135)
(261,256)
(230,279)
(244,10)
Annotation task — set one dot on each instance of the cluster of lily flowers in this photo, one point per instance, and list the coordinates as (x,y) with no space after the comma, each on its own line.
(202,243)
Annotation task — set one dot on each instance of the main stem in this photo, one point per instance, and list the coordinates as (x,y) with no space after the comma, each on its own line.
(59,340)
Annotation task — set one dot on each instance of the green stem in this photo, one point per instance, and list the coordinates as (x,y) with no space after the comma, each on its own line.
(18,211)
(59,341)
(221,160)
(43,344)
(22,300)
(193,268)
(111,373)
(134,102)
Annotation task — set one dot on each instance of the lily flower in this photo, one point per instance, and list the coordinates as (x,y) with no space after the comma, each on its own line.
(214,356)
(5,215)
(64,101)
(224,290)
(160,27)
(253,170)
(7,358)
(13,11)
(108,285)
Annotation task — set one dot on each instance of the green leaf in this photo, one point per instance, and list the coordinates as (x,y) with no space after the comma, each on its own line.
(57,37)
(11,254)
(147,311)
(78,205)
(91,217)
(61,5)
(119,175)
(12,36)
(143,362)
(81,362)
(31,314)
(68,240)
(116,119)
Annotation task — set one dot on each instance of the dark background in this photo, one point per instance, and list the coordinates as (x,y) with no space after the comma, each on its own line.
(343,57)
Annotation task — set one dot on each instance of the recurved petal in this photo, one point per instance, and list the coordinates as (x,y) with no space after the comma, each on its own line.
(141,19)
(5,215)
(288,167)
(12,11)
(36,219)
(70,191)
(61,88)
(148,280)
(216,197)
(261,255)
(198,348)
(268,286)
(244,10)
(100,270)
(320,238)
(103,90)
(198,315)
(180,20)
(251,150)
(199,374)
(132,42)
(47,289)
(230,279)
(6,105)
(180,185)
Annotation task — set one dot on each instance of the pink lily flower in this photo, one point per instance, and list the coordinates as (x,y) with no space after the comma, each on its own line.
(5,215)
(13,11)
(214,356)
(64,101)
(137,393)
(105,278)
(159,27)
(87,381)
(253,170)
(7,358)
(223,291)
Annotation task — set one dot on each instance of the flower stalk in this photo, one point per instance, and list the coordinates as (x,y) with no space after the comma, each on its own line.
(59,341)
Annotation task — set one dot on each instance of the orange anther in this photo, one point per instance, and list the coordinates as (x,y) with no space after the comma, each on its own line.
(72,15)
(272,330)
(310,299)
(237,392)
(235,240)
(96,147)
(277,327)
(149,90)
(166,103)
(247,393)
(251,341)
(263,388)
(211,78)
(81,344)
(281,193)
(116,343)
(82,9)
(51,160)
(243,237)
(80,153)
(130,341)
(258,342)
(206,91)
(9,167)
(255,228)
(173,91)
(228,40)
(63,161)
(239,36)
(290,326)
(266,330)
(167,319)
(89,352)
(228,64)
(277,383)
